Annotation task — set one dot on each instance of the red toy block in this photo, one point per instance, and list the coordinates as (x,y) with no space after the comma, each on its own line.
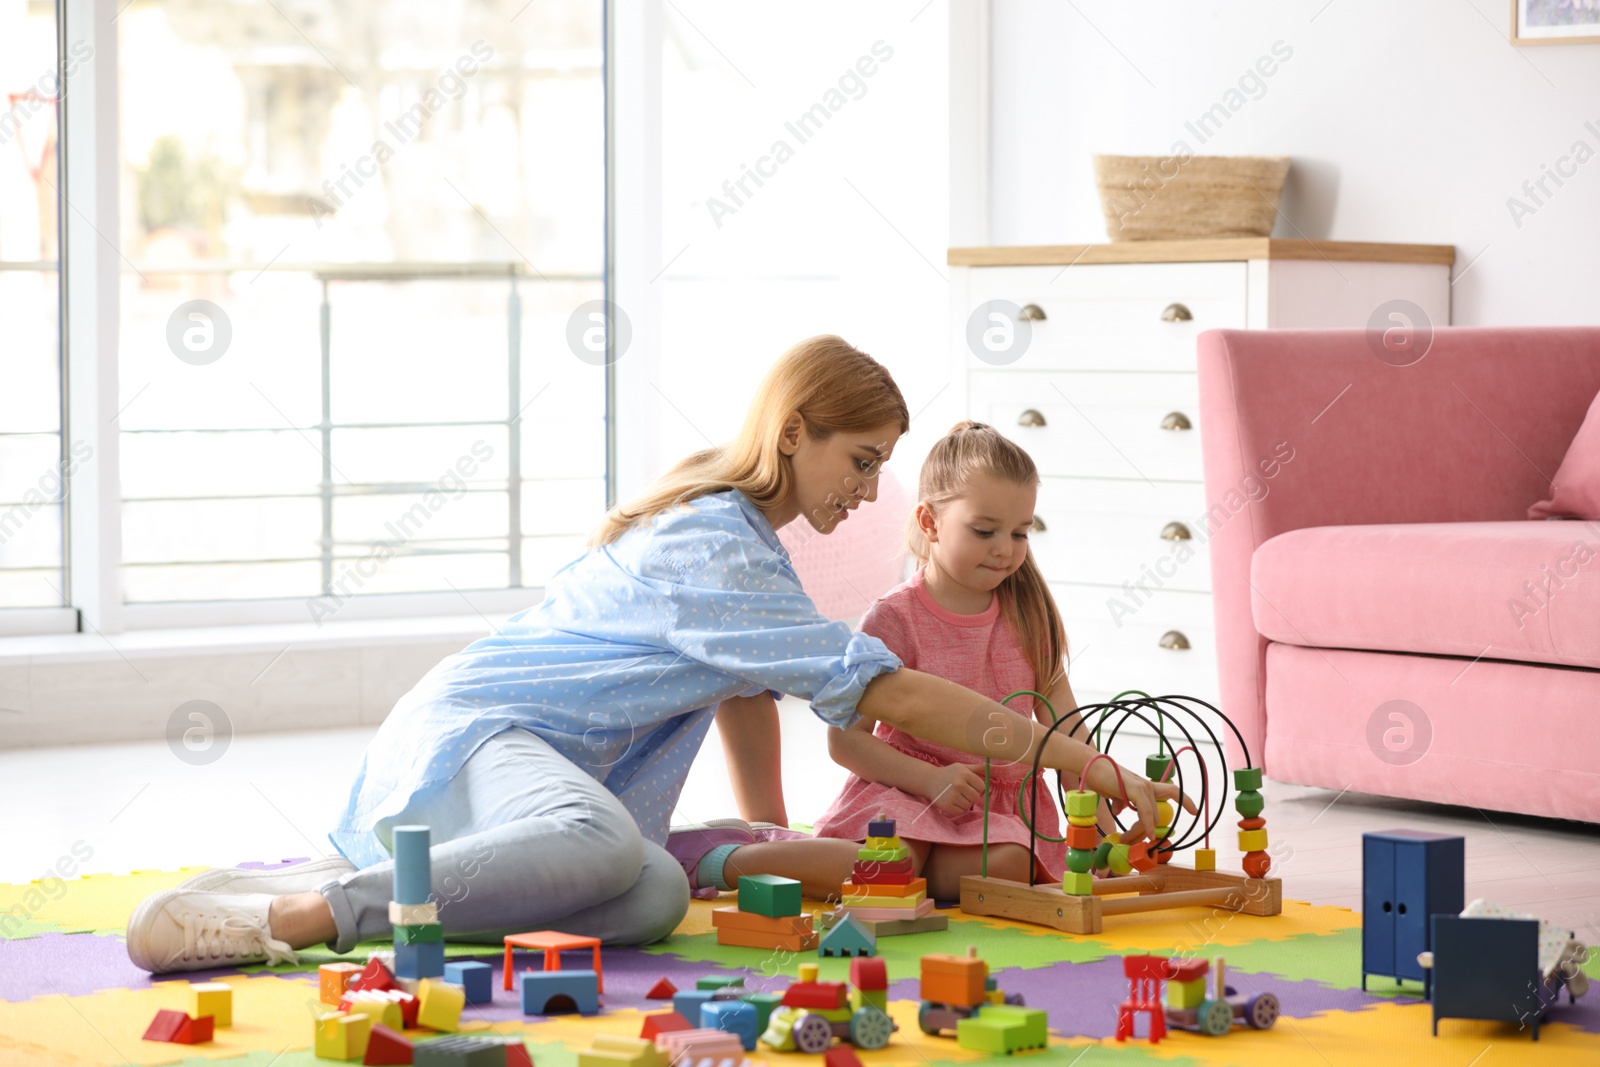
(664,1022)
(517,1054)
(1178,970)
(165,1026)
(662,990)
(841,1056)
(869,973)
(375,976)
(387,1047)
(180,1029)
(823,995)
(897,873)
(409,1006)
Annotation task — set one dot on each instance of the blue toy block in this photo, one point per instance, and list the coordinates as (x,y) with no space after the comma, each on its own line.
(687,1002)
(847,937)
(474,976)
(881,828)
(412,872)
(543,991)
(419,960)
(732,1016)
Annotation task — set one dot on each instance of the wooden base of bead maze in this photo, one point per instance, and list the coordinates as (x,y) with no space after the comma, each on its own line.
(1165,886)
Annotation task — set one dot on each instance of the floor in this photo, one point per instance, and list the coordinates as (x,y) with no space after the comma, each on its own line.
(120,807)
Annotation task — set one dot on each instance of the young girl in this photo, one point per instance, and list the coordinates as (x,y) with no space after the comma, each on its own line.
(978,613)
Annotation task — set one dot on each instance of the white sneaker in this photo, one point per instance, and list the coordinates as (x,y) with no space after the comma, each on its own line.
(301,878)
(180,930)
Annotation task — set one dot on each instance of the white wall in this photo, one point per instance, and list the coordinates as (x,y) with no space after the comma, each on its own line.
(1408,121)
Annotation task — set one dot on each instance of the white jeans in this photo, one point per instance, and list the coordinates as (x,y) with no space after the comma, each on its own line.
(523,839)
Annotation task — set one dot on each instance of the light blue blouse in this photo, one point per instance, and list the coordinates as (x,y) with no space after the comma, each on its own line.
(622,665)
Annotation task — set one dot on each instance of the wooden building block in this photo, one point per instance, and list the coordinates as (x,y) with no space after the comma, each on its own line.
(769,895)
(214,999)
(736,919)
(334,978)
(953,979)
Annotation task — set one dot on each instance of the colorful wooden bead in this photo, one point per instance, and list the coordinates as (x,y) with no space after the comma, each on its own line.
(1082,802)
(1118,859)
(1083,820)
(1252,824)
(1164,812)
(1155,767)
(1205,859)
(1083,837)
(1076,884)
(1247,778)
(1102,854)
(1257,864)
(1139,857)
(1079,861)
(1252,840)
(1249,803)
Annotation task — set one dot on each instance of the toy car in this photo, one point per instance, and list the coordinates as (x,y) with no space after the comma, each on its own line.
(813,1013)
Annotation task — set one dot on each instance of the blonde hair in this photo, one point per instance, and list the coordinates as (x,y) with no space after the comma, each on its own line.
(974,449)
(835,388)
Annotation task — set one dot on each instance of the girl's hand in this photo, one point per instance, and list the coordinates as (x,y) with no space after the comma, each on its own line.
(954,788)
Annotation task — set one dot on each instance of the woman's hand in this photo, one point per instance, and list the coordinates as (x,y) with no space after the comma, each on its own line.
(1142,796)
(954,788)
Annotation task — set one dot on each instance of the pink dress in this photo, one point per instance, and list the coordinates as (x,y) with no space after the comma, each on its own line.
(980,653)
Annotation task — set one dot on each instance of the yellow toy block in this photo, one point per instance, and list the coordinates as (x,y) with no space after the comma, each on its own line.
(383,1008)
(883,842)
(1252,840)
(808,971)
(866,900)
(1083,820)
(439,1005)
(1075,884)
(1205,859)
(1082,802)
(1186,994)
(342,1036)
(214,999)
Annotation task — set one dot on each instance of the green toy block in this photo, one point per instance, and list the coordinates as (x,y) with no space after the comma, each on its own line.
(1077,885)
(717,981)
(874,998)
(418,934)
(1249,803)
(1155,767)
(1247,778)
(881,855)
(766,1004)
(1082,801)
(1186,994)
(769,895)
(1004,1028)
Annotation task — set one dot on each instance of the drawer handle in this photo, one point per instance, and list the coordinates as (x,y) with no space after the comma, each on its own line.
(1176,420)
(1039,526)
(1174,313)
(1031,313)
(1030,417)
(1175,531)
(1175,640)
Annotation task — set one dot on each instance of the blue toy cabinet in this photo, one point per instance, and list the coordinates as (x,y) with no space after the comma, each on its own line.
(1407,876)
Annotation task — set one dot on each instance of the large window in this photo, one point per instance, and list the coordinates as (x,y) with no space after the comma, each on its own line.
(353,236)
(32,476)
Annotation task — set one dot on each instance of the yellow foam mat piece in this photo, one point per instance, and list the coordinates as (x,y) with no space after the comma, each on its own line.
(98,902)
(1387,1033)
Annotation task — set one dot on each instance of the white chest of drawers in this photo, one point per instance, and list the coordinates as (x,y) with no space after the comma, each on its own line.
(1104,397)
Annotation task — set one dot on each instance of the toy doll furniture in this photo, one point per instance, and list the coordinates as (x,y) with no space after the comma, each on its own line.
(1364,589)
(1407,876)
(1489,969)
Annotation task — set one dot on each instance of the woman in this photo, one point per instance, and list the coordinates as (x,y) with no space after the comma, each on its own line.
(548,757)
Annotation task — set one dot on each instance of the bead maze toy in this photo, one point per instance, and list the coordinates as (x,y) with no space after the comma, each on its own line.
(813,1013)
(1081,902)
(883,894)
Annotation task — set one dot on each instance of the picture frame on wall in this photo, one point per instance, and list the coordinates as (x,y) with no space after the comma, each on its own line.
(1555,21)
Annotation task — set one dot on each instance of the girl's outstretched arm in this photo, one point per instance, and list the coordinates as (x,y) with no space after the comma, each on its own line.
(941,711)
(753,749)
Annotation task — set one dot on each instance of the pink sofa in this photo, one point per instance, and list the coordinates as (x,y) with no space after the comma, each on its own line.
(1369,552)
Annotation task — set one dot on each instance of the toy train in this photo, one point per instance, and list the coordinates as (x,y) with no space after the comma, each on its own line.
(954,988)
(813,1013)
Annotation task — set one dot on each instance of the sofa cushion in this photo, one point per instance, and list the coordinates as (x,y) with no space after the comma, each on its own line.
(1525,591)
(1575,490)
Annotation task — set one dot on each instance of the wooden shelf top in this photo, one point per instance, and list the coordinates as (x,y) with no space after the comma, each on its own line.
(1208,249)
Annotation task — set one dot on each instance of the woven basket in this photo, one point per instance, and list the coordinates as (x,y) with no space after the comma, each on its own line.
(1148,198)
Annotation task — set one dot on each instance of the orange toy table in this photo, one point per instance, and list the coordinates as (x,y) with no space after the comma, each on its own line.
(553,944)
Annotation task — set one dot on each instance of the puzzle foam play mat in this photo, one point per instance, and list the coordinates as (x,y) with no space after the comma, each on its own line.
(69,996)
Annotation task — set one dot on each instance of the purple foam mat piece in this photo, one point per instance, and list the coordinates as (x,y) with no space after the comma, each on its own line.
(258,865)
(1082,998)
(77,964)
